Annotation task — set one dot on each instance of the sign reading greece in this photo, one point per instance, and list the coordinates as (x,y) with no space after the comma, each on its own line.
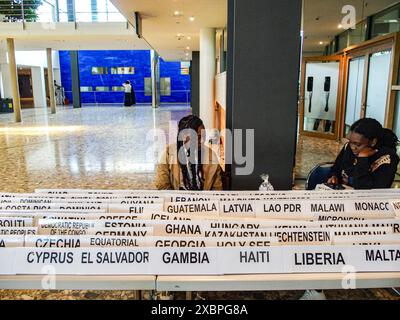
(83,260)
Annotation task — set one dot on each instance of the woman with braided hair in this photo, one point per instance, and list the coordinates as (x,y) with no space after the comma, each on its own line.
(188,164)
(369,160)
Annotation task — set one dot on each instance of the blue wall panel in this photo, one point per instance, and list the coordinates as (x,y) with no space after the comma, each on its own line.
(139,59)
(180,84)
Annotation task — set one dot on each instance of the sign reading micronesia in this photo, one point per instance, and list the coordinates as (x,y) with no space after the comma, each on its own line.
(203,261)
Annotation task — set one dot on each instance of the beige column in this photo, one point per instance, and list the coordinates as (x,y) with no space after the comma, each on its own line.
(14,79)
(51,80)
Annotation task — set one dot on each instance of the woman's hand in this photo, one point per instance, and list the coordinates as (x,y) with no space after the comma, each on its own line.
(367,152)
(333,180)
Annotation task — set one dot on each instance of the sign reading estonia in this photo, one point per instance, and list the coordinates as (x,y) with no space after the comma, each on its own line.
(162,261)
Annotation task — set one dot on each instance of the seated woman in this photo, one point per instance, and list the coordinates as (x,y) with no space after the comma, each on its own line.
(369,160)
(188,164)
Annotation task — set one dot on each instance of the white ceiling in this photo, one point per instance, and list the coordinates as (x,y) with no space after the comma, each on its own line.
(161,27)
(322,17)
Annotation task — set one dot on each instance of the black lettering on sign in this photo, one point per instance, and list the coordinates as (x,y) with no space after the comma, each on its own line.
(191,208)
(396,228)
(12,223)
(180,243)
(49,257)
(232,208)
(185,257)
(318,258)
(303,236)
(382,255)
(112,224)
(223,225)
(122,257)
(122,233)
(254,256)
(236,234)
(2,244)
(372,206)
(182,229)
(57,243)
(136,209)
(113,242)
(325,207)
(396,205)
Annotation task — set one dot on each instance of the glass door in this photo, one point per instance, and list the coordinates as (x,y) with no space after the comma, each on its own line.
(320,92)
(378,84)
(355,85)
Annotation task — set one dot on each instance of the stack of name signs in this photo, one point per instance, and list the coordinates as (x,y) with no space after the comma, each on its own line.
(126,232)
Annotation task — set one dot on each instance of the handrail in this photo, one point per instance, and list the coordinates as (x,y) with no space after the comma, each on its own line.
(59,11)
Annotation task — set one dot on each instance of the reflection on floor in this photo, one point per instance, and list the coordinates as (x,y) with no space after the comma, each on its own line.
(108,148)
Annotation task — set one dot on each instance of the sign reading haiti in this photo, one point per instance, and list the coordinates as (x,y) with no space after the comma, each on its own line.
(209,208)
(258,260)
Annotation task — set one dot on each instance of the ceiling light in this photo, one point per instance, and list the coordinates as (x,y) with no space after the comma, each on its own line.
(191,18)
(189,38)
(321,42)
(340,26)
(187,53)
(176,13)
(187,48)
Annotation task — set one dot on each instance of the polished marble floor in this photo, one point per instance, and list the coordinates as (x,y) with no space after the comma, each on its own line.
(110,148)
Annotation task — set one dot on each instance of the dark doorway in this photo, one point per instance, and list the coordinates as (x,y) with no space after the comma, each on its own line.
(25,87)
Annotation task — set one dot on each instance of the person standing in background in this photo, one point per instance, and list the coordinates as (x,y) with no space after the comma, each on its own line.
(128,93)
(133,96)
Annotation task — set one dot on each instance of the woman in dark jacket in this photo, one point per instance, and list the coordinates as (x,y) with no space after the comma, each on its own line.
(369,160)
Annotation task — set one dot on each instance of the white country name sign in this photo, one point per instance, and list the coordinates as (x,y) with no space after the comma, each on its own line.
(18,231)
(11,241)
(209,208)
(83,261)
(150,241)
(51,207)
(136,208)
(396,207)
(367,240)
(136,201)
(15,222)
(306,209)
(245,209)
(7,258)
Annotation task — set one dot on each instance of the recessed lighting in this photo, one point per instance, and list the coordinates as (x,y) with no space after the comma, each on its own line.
(187,53)
(176,13)
(321,42)
(191,18)
(189,38)
(340,26)
(187,48)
